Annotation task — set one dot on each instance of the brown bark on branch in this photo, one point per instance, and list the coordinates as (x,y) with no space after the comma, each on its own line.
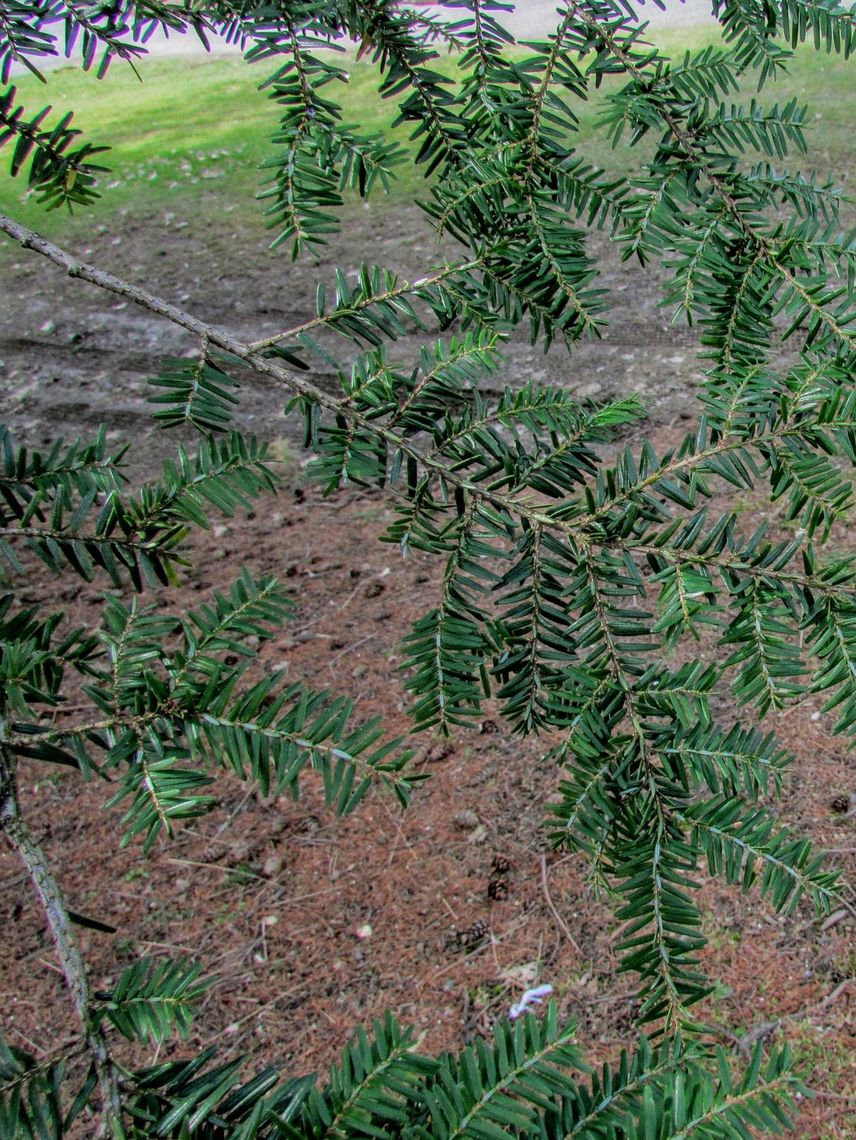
(74,971)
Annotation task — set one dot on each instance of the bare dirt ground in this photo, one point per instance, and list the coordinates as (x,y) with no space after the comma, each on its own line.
(314,924)
(71,358)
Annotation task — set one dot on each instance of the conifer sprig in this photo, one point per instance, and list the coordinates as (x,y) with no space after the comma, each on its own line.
(576,564)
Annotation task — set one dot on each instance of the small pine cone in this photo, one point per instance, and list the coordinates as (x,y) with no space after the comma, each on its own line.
(840,804)
(500,865)
(472,936)
(497,889)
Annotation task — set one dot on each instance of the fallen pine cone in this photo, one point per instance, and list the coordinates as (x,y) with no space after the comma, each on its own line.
(472,936)
(497,889)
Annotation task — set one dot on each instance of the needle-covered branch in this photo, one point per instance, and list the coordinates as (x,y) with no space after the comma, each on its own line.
(580,568)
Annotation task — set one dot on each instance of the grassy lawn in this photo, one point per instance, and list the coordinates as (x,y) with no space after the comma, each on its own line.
(200,126)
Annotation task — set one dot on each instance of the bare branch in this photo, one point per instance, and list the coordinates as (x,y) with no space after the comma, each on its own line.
(74,971)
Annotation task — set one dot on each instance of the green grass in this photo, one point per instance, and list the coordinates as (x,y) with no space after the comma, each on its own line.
(193,134)
(194,127)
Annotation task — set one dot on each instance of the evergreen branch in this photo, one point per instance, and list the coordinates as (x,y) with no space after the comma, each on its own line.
(663,933)
(467,358)
(817,494)
(430,102)
(321,156)
(145,560)
(705,238)
(251,609)
(33,660)
(515,505)
(551,551)
(585,812)
(138,537)
(197,393)
(76,466)
(735,562)
(18,1068)
(226,473)
(736,839)
(452,200)
(809,200)
(614,1093)
(134,637)
(22,37)
(584,308)
(739,759)
(135,723)
(723,449)
(272,734)
(256,359)
(152,999)
(376,290)
(539,96)
(523,709)
(188,1096)
(159,791)
(840,326)
(829,24)
(499,1090)
(59,174)
(770,661)
(755,1100)
(121,29)
(449,648)
(731,331)
(376,1079)
(832,639)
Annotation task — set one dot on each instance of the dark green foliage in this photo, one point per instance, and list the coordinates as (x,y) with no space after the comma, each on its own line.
(68,510)
(32,1105)
(60,174)
(590,589)
(152,1000)
(171,710)
(196,393)
(528,1082)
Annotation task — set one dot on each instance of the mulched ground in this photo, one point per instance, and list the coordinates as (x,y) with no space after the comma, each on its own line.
(443,913)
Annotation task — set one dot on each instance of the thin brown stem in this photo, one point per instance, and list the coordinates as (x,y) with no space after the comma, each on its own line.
(560,922)
(50,896)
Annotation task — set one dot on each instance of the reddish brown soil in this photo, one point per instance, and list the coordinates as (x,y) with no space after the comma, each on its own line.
(314,924)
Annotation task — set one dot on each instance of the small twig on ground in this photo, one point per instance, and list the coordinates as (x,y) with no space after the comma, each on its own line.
(173,947)
(400,837)
(50,966)
(449,908)
(835,995)
(242,872)
(350,649)
(766,1028)
(834,918)
(28,1041)
(228,821)
(560,922)
(847,905)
